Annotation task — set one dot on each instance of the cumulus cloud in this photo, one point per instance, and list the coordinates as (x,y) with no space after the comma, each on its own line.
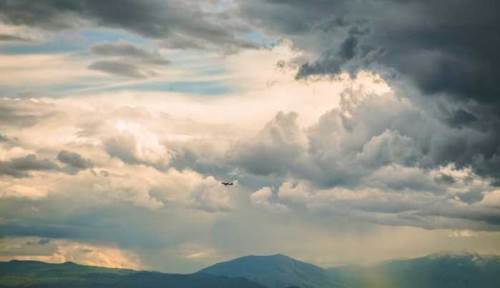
(366,132)
(133,144)
(273,149)
(368,157)
(413,45)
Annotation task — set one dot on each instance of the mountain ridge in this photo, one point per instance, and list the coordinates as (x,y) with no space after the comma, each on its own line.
(443,270)
(37,274)
(274,271)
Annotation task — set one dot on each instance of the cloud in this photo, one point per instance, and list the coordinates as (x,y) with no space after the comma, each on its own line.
(368,160)
(120,68)
(41,70)
(21,166)
(263,198)
(124,49)
(209,196)
(355,157)
(74,160)
(415,49)
(10,37)
(363,158)
(60,251)
(346,34)
(134,144)
(136,207)
(273,149)
(18,33)
(394,206)
(364,133)
(492,199)
(126,60)
(25,114)
(168,20)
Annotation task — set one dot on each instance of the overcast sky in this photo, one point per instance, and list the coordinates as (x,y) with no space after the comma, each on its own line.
(354,131)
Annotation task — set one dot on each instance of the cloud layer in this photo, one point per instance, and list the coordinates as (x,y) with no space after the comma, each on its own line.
(343,125)
(169,20)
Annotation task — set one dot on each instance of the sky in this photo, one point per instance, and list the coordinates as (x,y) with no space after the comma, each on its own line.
(354,131)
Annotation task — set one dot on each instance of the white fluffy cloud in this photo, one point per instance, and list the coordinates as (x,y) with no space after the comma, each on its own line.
(134,144)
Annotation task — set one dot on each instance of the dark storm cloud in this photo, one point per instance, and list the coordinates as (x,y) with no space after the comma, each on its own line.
(447,49)
(21,166)
(170,20)
(443,46)
(74,160)
(461,118)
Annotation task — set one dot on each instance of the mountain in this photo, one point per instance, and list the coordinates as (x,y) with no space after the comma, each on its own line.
(434,271)
(277,271)
(33,274)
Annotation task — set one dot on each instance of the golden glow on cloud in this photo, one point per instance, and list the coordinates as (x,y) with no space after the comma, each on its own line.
(60,251)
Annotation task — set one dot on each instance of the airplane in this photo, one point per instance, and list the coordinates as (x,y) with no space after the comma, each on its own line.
(227,183)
